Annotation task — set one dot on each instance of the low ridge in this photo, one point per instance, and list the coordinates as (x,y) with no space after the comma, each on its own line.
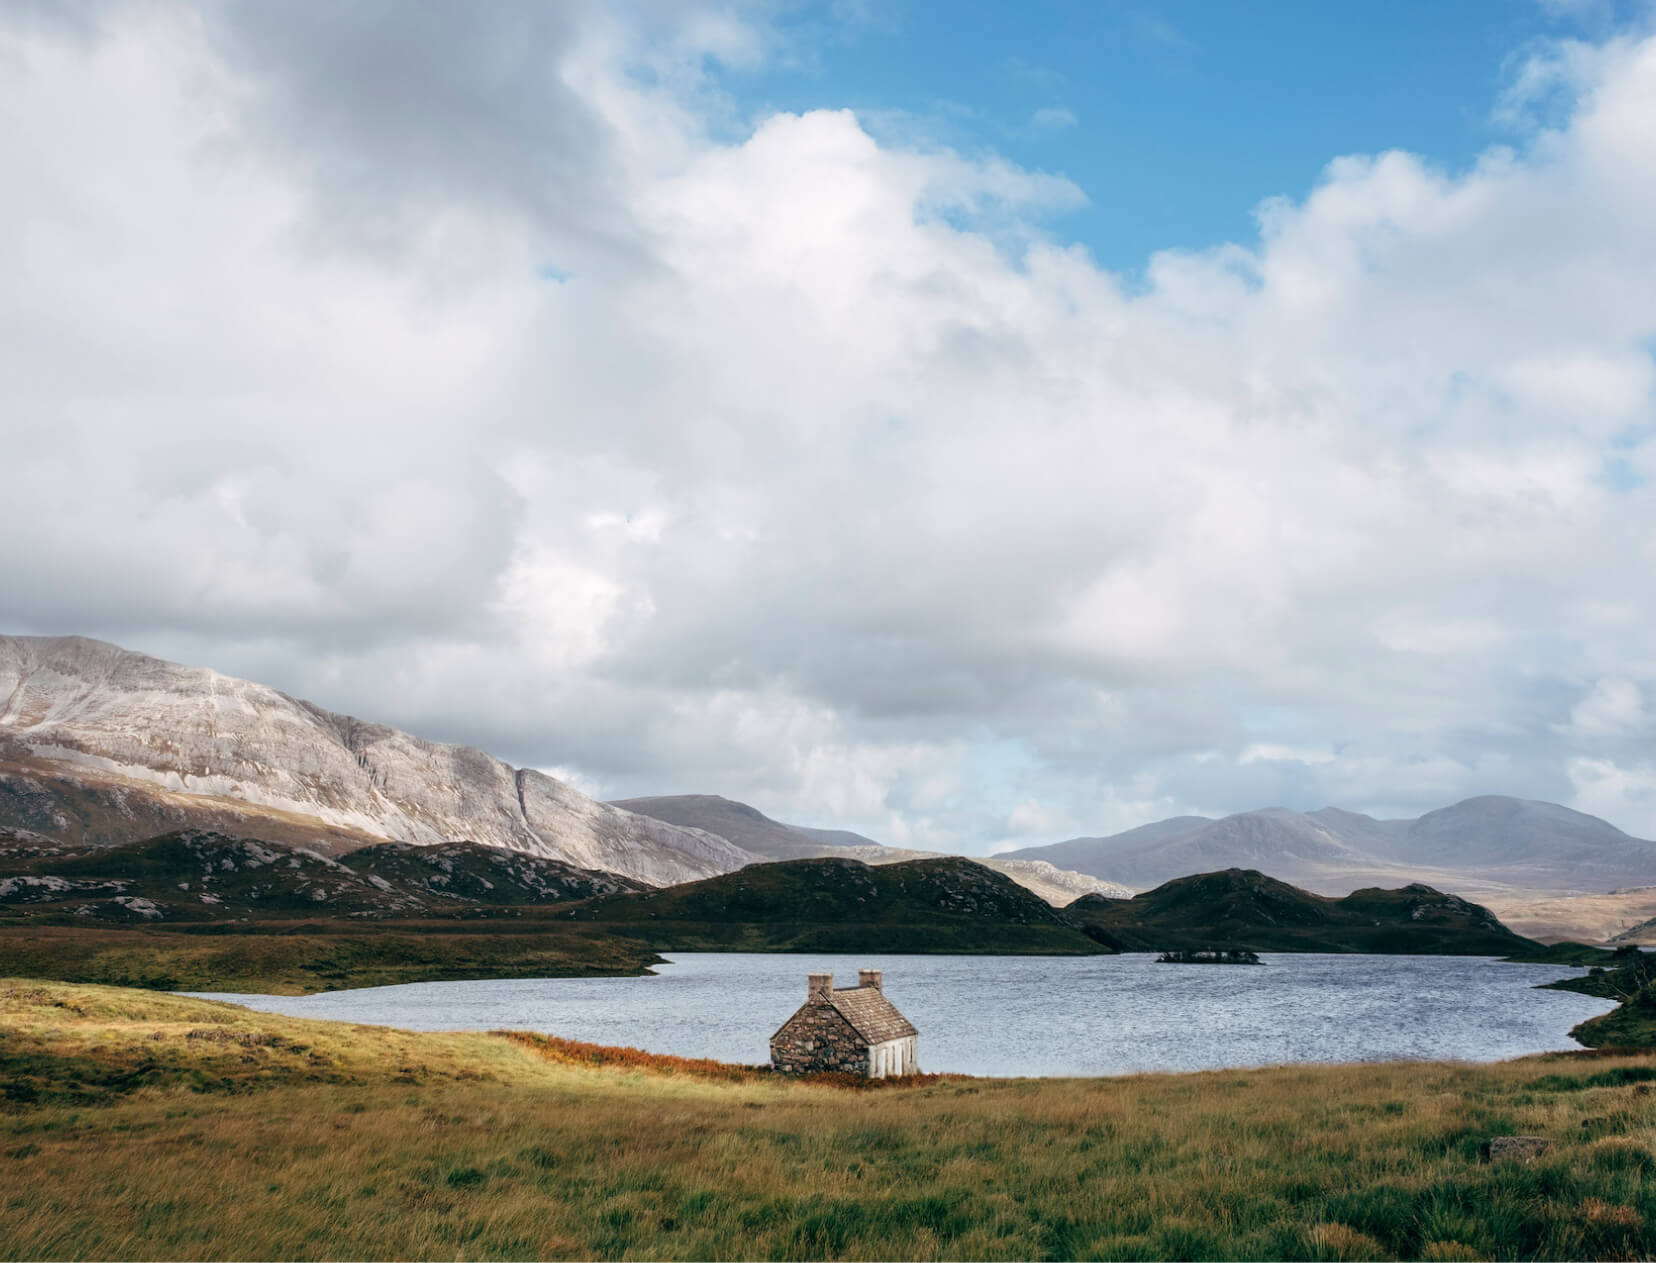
(948,904)
(194,875)
(1243,909)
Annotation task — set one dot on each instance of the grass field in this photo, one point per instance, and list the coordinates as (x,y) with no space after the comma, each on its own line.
(142,1125)
(301,959)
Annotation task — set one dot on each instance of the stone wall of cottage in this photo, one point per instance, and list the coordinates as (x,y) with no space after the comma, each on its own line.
(818,1038)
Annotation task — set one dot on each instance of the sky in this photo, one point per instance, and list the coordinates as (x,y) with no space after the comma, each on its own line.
(972,425)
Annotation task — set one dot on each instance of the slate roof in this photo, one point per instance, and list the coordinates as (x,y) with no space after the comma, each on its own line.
(871,1015)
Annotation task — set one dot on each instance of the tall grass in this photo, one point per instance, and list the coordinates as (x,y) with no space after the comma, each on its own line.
(265,1136)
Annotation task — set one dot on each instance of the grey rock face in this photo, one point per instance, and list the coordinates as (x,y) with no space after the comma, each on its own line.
(104,744)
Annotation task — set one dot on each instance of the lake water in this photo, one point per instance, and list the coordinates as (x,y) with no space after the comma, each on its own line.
(1025,1015)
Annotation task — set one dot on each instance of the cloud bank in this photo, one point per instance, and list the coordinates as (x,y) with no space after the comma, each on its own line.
(484,372)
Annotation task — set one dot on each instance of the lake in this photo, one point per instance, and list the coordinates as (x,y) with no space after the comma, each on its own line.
(1026,1015)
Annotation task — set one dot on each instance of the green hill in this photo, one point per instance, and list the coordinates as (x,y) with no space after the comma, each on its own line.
(934,905)
(1242,909)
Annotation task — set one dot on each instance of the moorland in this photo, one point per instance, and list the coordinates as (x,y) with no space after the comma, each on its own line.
(142,1125)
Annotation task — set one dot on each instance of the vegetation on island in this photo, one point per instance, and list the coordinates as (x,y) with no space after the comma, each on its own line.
(141,1125)
(1244,910)
(1224,956)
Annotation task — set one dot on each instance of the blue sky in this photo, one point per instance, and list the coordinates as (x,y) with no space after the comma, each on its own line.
(1175,120)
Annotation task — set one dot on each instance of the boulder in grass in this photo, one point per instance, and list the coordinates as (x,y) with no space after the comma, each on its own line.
(1514,1148)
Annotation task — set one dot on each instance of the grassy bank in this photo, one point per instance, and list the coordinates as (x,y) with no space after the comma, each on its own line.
(145,1125)
(276,960)
(1627,975)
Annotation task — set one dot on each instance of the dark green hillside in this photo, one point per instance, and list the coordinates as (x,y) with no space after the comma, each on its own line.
(466,871)
(188,875)
(934,905)
(195,910)
(1241,909)
(195,875)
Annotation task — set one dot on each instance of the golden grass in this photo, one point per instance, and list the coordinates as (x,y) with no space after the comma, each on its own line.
(287,960)
(271,1137)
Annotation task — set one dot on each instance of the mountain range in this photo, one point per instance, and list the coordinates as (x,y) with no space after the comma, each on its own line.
(100,746)
(1482,844)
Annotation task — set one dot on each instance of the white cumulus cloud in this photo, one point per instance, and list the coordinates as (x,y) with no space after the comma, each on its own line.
(482,383)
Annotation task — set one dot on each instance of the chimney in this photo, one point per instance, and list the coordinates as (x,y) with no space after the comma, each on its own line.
(817,988)
(869,978)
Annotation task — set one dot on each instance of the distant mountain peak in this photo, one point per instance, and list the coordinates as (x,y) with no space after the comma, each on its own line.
(1486,841)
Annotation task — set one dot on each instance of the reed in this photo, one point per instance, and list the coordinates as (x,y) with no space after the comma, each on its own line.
(142,1125)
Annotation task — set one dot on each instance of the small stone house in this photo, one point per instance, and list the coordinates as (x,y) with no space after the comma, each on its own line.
(855,1030)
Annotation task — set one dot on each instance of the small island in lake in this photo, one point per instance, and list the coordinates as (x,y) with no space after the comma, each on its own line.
(1228,956)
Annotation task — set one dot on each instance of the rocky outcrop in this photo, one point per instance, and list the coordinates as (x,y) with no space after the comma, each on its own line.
(101,745)
(1524,1149)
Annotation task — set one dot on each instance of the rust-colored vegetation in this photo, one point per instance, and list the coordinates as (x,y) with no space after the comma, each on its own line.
(573,1052)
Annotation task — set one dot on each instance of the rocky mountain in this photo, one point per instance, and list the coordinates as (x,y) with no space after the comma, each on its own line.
(834,837)
(1085,855)
(1528,843)
(102,746)
(946,904)
(1241,909)
(1484,844)
(193,875)
(748,827)
(756,832)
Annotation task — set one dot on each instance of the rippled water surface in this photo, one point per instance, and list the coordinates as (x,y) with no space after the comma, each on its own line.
(1011,1015)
